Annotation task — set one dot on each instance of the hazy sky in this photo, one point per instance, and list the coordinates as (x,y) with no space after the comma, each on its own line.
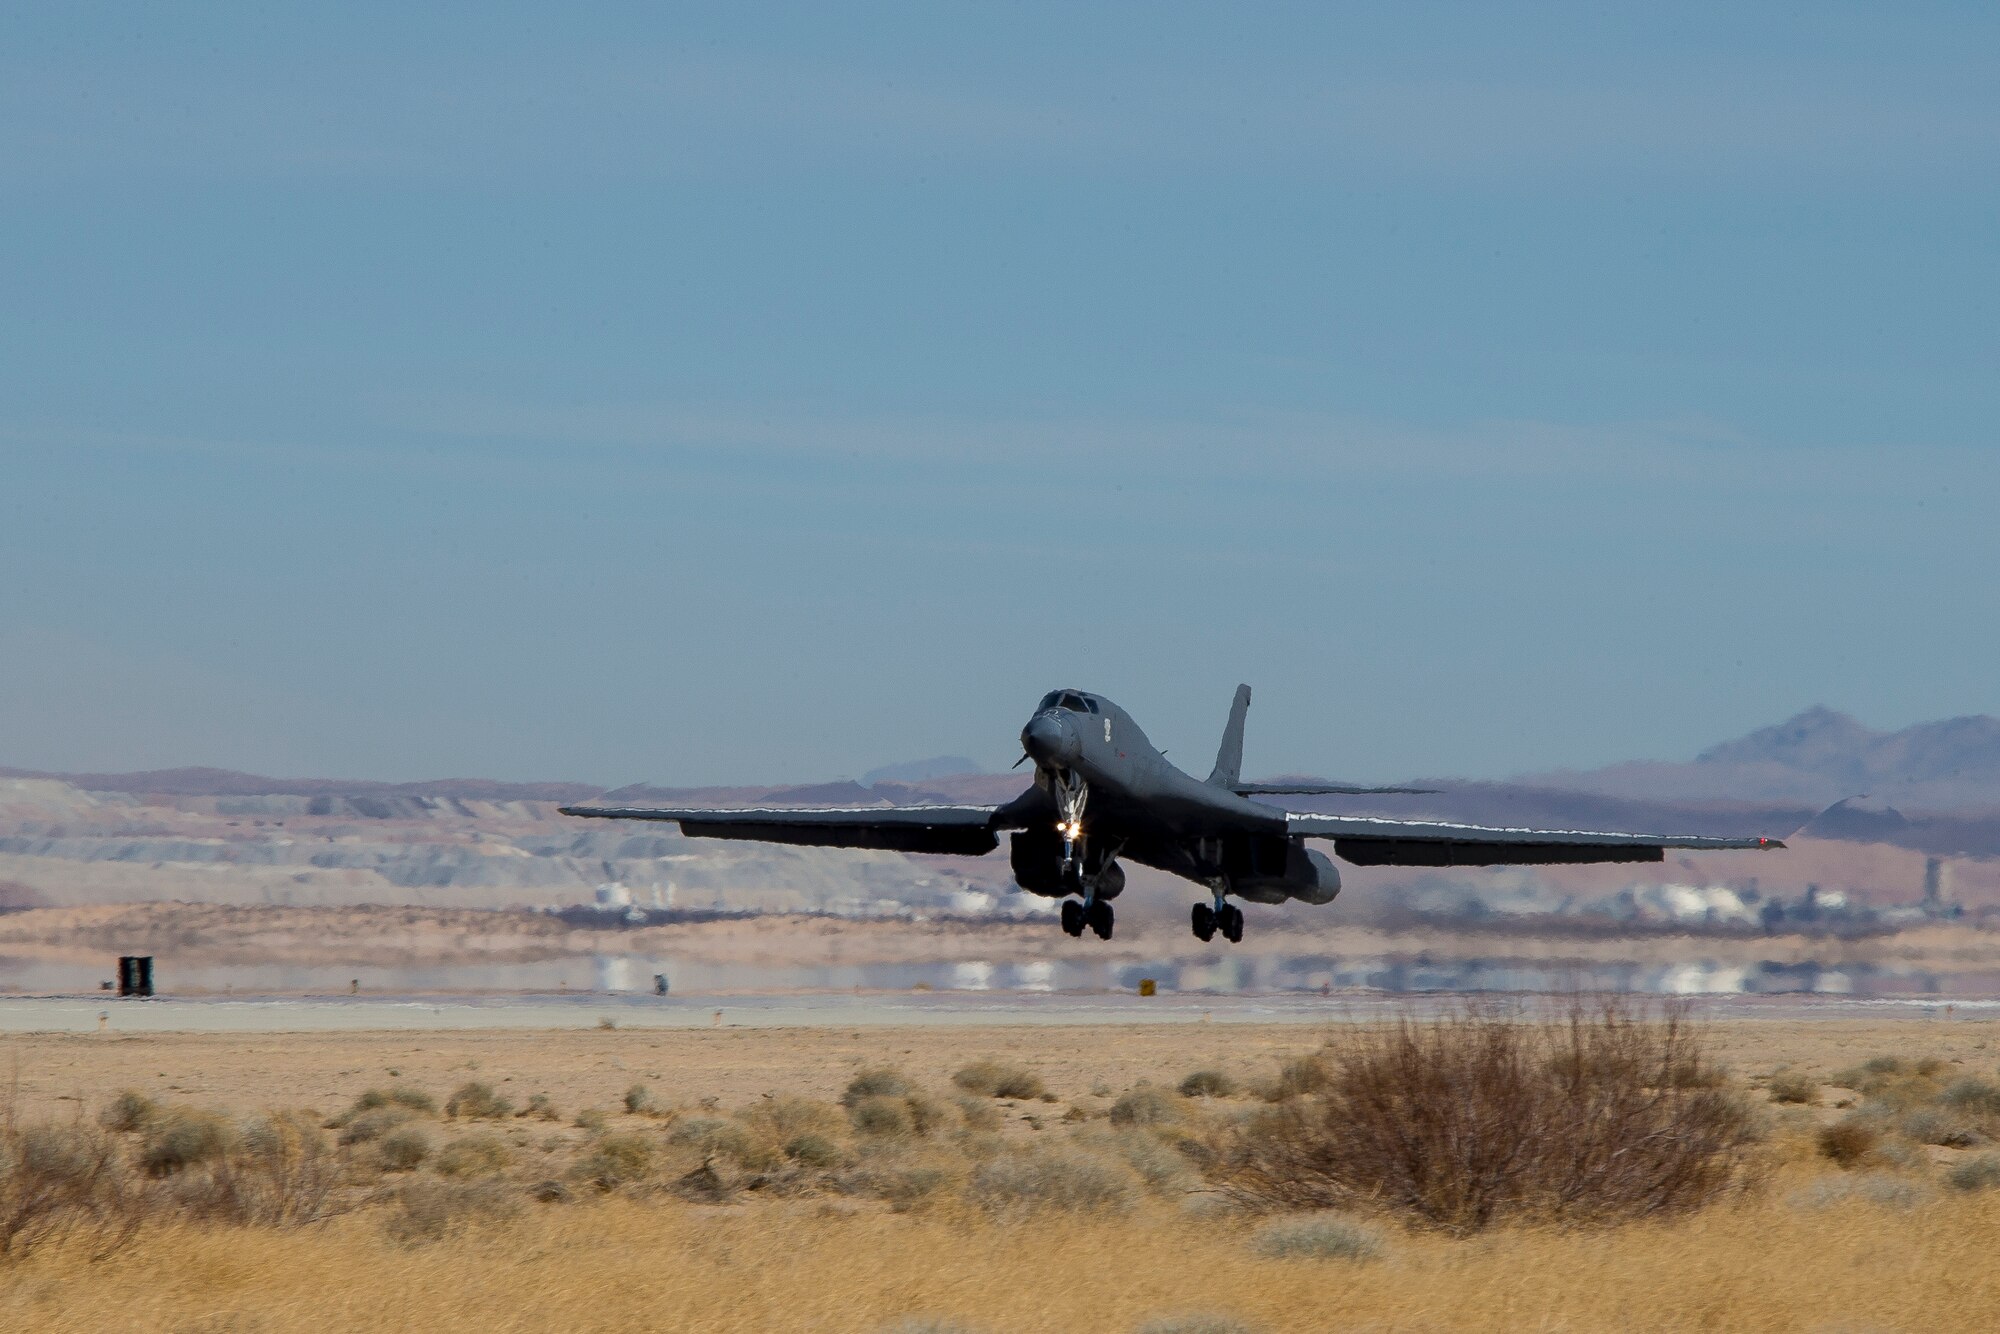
(742,392)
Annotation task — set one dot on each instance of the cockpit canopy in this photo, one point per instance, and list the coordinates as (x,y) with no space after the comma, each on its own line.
(1067,699)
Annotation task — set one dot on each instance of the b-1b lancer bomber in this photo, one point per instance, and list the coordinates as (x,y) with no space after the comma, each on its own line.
(1102,792)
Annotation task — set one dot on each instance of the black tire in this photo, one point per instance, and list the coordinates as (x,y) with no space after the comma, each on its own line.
(1234,929)
(1204,922)
(1072,917)
(1101,919)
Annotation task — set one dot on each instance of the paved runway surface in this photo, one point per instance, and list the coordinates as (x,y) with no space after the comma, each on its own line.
(286,1014)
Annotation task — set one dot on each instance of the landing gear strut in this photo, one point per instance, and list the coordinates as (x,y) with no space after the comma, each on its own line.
(1224,917)
(1094,913)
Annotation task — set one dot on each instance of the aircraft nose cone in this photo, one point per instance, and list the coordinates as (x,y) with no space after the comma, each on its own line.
(1049,739)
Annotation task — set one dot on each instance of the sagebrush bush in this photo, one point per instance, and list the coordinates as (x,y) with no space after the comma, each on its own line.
(1478,1117)
(429,1211)
(1146,1106)
(130,1111)
(784,1119)
(1296,1078)
(1975,1174)
(1939,1125)
(1973,1096)
(712,1136)
(59,1179)
(875,1084)
(1321,1237)
(883,1116)
(475,1101)
(181,1136)
(1795,1087)
(1208,1084)
(993,1079)
(592,1119)
(1027,1182)
(616,1160)
(814,1151)
(541,1107)
(1198,1323)
(1878,1188)
(979,1114)
(372,1125)
(639,1101)
(404,1149)
(1849,1140)
(474,1155)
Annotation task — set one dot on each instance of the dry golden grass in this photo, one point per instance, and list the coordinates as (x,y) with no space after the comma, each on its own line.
(1055,1218)
(620,1265)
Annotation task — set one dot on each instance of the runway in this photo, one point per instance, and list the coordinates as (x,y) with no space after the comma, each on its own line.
(288,1014)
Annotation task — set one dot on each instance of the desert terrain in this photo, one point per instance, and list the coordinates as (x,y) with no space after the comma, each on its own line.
(607,1179)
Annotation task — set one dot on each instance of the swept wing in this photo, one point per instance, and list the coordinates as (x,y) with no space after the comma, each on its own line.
(1368,841)
(966,830)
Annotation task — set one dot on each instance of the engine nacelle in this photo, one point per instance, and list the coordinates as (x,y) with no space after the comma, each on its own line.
(1275,870)
(1036,856)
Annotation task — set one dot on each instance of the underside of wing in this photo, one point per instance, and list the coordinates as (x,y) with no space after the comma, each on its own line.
(1320,790)
(1366,841)
(964,830)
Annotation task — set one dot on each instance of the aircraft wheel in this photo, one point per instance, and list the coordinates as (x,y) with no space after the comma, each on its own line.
(1233,928)
(1100,919)
(1072,917)
(1204,922)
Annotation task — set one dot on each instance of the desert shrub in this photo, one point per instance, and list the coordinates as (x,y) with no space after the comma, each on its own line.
(1163,1169)
(639,1101)
(592,1119)
(1974,1174)
(1878,1188)
(1973,1096)
(616,1160)
(278,1173)
(1794,1086)
(927,1114)
(130,1111)
(59,1180)
(883,1116)
(1938,1125)
(703,1185)
(1478,1117)
(1145,1106)
(1321,1237)
(1208,1084)
(1198,1323)
(182,1136)
(814,1151)
(428,1211)
(979,1114)
(474,1156)
(541,1107)
(1849,1140)
(401,1150)
(875,1084)
(411,1100)
(785,1119)
(1026,1182)
(993,1079)
(711,1137)
(372,1125)
(478,1102)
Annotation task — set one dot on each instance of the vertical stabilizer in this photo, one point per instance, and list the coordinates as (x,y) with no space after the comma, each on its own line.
(1229,759)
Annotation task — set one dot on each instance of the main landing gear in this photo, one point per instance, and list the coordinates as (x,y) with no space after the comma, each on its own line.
(1094,913)
(1224,917)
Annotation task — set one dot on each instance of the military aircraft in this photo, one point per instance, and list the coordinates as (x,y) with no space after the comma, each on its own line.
(1103,792)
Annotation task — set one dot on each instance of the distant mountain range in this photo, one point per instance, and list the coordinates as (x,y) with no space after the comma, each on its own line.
(1821,756)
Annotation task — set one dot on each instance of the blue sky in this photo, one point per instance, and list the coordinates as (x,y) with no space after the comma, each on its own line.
(750,393)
